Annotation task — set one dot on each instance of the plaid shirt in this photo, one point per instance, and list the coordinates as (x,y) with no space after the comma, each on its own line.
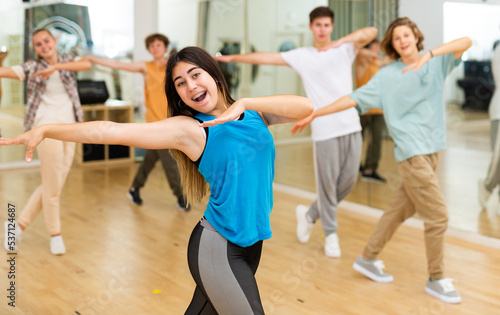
(36,88)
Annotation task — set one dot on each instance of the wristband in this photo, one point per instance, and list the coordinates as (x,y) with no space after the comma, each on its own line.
(432,55)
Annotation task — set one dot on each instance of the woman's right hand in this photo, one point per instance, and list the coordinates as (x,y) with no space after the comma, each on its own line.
(31,139)
(232,113)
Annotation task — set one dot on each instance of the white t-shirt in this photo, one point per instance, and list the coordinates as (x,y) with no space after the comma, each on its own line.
(326,77)
(494,108)
(55,106)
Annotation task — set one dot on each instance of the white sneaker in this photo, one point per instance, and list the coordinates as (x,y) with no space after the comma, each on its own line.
(304,227)
(444,290)
(484,193)
(332,248)
(14,239)
(57,245)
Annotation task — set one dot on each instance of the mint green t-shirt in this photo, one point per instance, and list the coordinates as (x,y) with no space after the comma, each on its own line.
(413,104)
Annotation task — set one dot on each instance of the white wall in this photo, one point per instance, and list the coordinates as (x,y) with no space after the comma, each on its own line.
(178,20)
(11,27)
(428,15)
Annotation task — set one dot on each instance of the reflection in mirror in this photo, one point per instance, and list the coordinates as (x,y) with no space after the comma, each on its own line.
(467,134)
(80,28)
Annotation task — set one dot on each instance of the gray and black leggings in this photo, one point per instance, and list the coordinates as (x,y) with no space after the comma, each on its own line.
(224,275)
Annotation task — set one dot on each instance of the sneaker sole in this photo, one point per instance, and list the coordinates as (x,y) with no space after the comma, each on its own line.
(370,275)
(447,299)
(335,255)
(372,180)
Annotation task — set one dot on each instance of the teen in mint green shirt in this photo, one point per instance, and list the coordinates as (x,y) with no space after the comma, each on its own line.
(416,121)
(410,92)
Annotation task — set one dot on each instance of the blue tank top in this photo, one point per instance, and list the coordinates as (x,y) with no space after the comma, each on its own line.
(238,164)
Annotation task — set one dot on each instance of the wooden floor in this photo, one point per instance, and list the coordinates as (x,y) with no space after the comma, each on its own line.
(126,259)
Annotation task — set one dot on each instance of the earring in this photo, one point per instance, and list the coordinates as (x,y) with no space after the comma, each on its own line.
(183,104)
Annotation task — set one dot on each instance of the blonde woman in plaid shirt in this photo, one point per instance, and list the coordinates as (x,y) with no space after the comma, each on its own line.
(52,97)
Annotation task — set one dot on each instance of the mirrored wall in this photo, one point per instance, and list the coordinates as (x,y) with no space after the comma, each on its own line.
(241,26)
(80,27)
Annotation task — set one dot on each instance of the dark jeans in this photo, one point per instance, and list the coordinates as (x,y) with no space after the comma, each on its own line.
(374,125)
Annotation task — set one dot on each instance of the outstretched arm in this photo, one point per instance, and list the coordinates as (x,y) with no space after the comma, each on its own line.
(7,72)
(341,104)
(359,37)
(180,133)
(256,58)
(276,109)
(138,66)
(457,46)
(76,66)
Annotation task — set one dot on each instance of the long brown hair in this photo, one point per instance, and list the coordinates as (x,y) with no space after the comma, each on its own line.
(386,43)
(193,183)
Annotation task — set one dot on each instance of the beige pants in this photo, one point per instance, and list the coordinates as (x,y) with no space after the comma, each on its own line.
(419,193)
(56,158)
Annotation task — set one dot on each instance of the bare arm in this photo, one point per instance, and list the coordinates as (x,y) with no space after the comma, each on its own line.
(457,46)
(256,58)
(76,66)
(359,37)
(276,109)
(7,72)
(362,60)
(138,66)
(182,133)
(384,61)
(341,104)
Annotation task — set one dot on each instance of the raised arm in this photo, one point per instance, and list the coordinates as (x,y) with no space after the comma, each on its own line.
(256,58)
(182,133)
(457,46)
(341,104)
(7,72)
(76,66)
(359,37)
(276,109)
(138,66)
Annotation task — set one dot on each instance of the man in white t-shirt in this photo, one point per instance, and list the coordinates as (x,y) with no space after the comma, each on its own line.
(326,72)
(492,180)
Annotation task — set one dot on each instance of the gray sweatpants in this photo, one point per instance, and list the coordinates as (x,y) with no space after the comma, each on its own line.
(493,176)
(336,164)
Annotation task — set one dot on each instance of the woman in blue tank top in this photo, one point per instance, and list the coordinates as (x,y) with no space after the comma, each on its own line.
(217,141)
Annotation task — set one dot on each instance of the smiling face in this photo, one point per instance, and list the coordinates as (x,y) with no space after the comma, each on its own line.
(322,28)
(196,88)
(157,48)
(44,45)
(404,41)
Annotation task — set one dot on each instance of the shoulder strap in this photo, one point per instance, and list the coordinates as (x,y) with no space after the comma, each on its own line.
(197,162)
